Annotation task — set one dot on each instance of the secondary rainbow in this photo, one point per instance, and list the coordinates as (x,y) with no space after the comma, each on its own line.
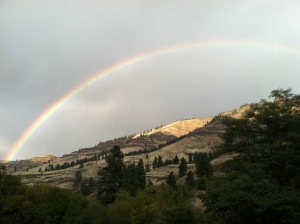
(128,62)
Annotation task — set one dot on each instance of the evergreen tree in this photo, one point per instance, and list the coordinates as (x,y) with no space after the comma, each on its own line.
(171,180)
(147,168)
(203,166)
(176,160)
(189,180)
(111,177)
(141,175)
(160,162)
(91,183)
(84,188)
(154,164)
(182,167)
(130,180)
(78,176)
(57,166)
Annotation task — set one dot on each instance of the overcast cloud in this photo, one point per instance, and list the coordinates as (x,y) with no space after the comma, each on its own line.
(49,47)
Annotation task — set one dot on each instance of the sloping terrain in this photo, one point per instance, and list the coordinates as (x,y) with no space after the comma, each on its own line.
(26,164)
(180,138)
(165,141)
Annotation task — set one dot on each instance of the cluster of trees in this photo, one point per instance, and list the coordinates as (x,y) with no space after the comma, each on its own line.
(86,186)
(47,204)
(203,170)
(119,176)
(158,161)
(262,184)
(141,151)
(43,203)
(80,162)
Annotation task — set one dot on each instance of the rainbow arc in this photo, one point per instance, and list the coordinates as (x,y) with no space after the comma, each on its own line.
(42,118)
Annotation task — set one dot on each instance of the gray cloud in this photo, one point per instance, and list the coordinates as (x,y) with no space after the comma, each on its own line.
(48,47)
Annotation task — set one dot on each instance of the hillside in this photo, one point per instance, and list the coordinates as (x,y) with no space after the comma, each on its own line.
(26,164)
(179,138)
(165,140)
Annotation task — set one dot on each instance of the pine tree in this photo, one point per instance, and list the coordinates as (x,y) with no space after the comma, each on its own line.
(160,162)
(141,175)
(130,180)
(111,177)
(203,166)
(171,181)
(78,176)
(154,164)
(91,183)
(182,167)
(57,166)
(176,160)
(189,180)
(147,168)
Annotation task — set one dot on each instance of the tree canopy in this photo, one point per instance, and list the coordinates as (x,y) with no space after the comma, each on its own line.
(263,182)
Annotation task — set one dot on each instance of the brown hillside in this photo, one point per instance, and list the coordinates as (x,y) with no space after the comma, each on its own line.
(200,135)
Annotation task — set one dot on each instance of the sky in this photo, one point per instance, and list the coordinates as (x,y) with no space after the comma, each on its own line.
(47,48)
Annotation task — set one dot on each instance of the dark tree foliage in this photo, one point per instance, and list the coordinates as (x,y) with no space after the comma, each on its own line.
(263,183)
(134,177)
(111,177)
(130,178)
(43,204)
(79,162)
(154,164)
(87,187)
(189,180)
(176,160)
(182,167)
(147,167)
(168,162)
(203,166)
(78,176)
(141,175)
(160,162)
(171,181)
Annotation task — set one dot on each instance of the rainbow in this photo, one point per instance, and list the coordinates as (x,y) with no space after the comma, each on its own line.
(129,62)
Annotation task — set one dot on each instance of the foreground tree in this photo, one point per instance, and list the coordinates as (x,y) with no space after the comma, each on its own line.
(203,166)
(141,174)
(263,182)
(111,177)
